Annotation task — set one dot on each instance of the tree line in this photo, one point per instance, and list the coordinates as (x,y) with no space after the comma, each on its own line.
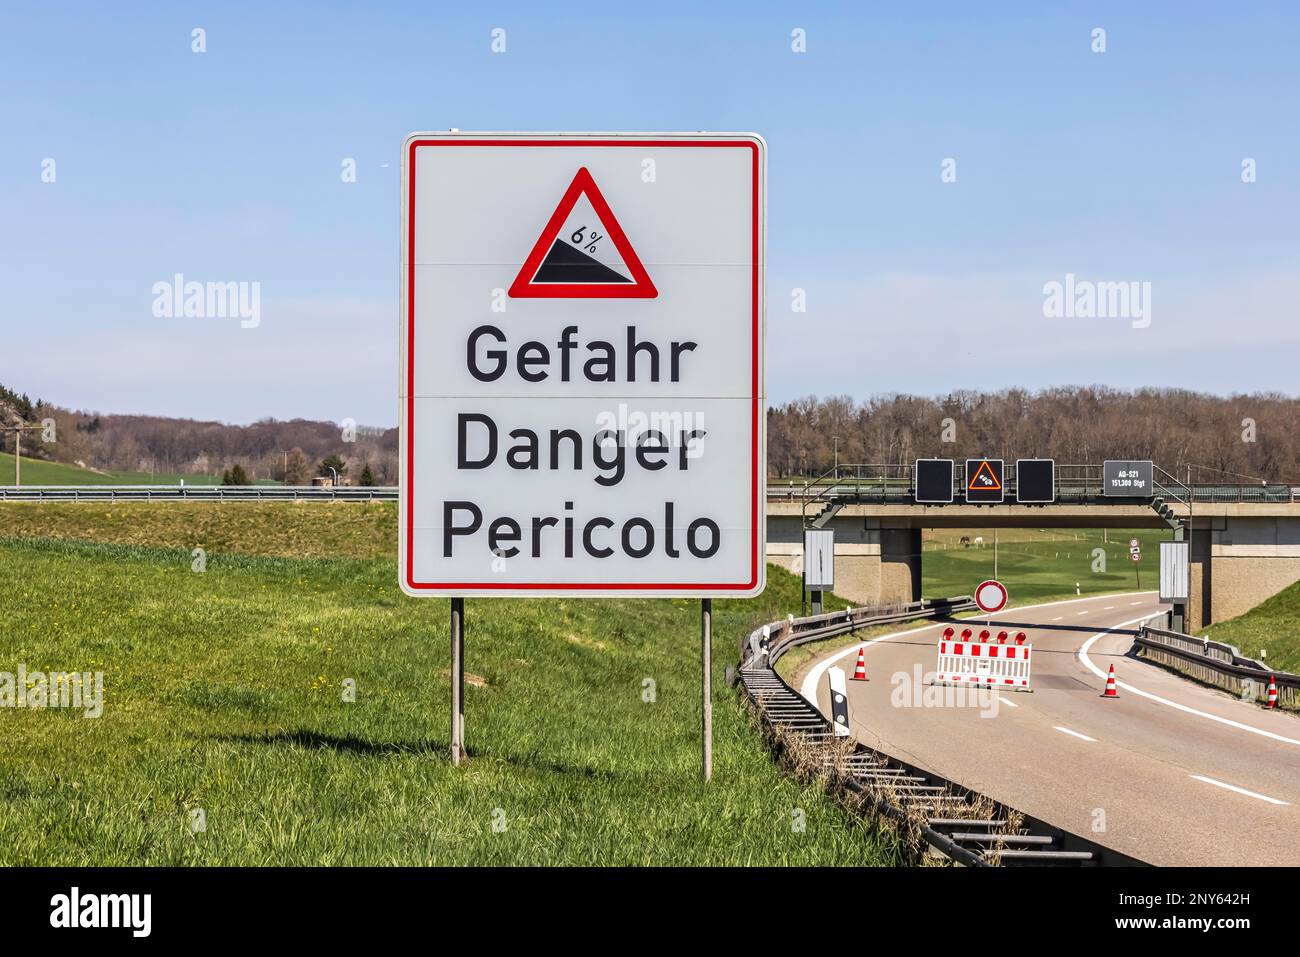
(1230,439)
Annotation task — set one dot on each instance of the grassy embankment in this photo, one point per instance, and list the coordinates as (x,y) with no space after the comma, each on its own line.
(1269,632)
(40,472)
(224,700)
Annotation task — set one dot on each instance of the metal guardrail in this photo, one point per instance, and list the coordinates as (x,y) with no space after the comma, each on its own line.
(1216,664)
(197,493)
(966,827)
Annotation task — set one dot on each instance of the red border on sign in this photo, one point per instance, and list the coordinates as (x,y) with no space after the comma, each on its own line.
(408,570)
(996,584)
(640,288)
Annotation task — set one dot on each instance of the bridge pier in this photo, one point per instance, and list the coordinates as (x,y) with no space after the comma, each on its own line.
(1238,562)
(874,563)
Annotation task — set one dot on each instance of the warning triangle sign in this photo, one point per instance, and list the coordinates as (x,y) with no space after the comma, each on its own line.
(984,479)
(583,253)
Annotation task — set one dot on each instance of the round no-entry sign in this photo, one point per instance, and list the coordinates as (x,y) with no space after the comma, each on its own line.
(991,595)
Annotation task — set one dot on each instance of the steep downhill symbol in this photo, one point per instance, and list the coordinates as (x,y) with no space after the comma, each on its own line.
(583,252)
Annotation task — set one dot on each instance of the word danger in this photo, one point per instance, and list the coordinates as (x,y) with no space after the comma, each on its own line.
(478,446)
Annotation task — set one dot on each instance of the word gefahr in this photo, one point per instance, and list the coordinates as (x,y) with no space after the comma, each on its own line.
(534,362)
(609,450)
(636,537)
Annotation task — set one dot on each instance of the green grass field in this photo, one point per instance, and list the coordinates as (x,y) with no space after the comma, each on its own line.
(224,697)
(1039,564)
(1269,632)
(40,472)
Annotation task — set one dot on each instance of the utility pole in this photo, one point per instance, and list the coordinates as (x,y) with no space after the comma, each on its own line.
(18,431)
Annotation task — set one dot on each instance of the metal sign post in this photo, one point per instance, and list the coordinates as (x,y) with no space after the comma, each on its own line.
(457,680)
(706,673)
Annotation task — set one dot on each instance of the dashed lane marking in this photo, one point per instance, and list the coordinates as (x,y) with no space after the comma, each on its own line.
(1233,787)
(1083,737)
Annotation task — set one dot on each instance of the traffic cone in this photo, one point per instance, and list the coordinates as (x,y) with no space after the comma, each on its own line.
(1111,691)
(1272,692)
(860,672)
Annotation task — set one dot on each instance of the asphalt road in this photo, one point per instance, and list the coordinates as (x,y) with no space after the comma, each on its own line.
(1170,772)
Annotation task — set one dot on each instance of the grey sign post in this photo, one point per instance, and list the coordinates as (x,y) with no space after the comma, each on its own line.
(1122,478)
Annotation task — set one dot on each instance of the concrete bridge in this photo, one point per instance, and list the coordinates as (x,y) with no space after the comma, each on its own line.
(1241,554)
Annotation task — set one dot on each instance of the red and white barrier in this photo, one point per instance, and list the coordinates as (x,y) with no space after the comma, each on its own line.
(984,664)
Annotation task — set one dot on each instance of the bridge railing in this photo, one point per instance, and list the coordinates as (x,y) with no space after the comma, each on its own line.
(890,484)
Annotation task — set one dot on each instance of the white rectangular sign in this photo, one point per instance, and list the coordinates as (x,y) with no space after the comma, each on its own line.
(582,367)
(1174,571)
(819,559)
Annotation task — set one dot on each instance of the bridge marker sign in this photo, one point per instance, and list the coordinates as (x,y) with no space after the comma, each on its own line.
(984,481)
(991,595)
(569,425)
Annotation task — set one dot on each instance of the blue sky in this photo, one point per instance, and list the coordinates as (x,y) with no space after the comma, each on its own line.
(1123,165)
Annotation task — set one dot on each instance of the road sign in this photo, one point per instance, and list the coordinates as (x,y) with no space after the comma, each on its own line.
(1174,571)
(1134,543)
(991,595)
(1127,479)
(984,481)
(933,478)
(819,559)
(1035,481)
(583,252)
(1135,555)
(582,365)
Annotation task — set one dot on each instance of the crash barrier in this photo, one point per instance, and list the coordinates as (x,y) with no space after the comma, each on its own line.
(198,493)
(1216,664)
(966,660)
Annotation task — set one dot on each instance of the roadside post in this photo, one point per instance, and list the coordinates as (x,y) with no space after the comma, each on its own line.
(818,564)
(582,394)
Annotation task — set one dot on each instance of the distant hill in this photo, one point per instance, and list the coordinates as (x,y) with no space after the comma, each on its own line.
(137,449)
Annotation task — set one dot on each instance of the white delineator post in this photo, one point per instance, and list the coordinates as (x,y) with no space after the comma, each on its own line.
(839,702)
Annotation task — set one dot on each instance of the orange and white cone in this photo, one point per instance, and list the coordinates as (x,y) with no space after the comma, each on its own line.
(1111,691)
(860,672)
(1272,692)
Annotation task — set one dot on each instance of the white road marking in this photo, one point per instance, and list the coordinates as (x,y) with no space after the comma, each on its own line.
(1233,787)
(1088,663)
(1007,701)
(809,687)
(1058,618)
(1077,613)
(1057,727)
(1108,608)
(1132,603)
